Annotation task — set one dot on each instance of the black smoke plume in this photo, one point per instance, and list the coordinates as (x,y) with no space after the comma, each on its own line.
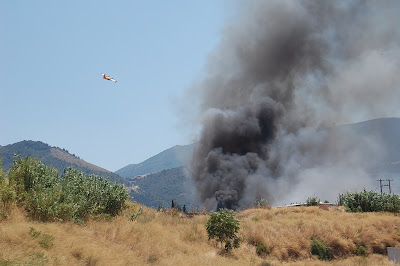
(283,72)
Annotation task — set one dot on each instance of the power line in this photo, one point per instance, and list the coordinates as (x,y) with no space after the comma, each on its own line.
(390,189)
(385,185)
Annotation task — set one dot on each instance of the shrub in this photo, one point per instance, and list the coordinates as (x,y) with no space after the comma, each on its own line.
(43,205)
(361,251)
(161,208)
(261,250)
(223,227)
(30,174)
(312,201)
(321,249)
(46,241)
(261,203)
(1,172)
(34,233)
(91,195)
(152,259)
(370,201)
(73,196)
(136,215)
(7,199)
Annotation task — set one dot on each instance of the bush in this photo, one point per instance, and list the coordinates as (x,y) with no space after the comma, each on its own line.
(91,195)
(43,205)
(1,173)
(321,249)
(261,203)
(7,199)
(7,195)
(312,201)
(223,227)
(136,215)
(30,174)
(370,201)
(261,250)
(73,196)
(45,240)
(361,251)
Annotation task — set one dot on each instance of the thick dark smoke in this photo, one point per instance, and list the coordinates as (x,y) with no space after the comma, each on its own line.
(284,71)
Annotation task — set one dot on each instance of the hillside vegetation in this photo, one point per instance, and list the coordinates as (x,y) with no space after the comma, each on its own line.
(56,157)
(158,189)
(49,196)
(174,157)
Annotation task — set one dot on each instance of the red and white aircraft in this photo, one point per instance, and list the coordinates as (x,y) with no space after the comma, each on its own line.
(108,77)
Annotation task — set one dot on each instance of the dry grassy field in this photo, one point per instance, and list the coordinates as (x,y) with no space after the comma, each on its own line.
(172,239)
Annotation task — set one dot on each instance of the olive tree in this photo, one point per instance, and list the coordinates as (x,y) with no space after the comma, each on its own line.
(222,226)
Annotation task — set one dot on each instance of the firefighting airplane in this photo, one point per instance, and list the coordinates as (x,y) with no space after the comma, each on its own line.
(108,77)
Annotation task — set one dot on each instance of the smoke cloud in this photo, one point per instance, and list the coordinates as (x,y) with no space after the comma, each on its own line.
(284,73)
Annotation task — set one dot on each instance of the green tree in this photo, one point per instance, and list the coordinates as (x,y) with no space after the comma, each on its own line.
(261,203)
(312,201)
(222,226)
(370,201)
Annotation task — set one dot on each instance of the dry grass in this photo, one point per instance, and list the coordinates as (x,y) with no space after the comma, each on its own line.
(171,239)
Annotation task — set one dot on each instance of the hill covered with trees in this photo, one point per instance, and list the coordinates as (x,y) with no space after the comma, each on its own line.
(56,157)
(174,157)
(159,189)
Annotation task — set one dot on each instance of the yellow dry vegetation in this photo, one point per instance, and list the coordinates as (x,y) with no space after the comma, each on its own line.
(156,238)
(62,155)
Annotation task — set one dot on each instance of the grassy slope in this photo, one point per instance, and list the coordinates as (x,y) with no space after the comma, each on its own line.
(64,156)
(163,239)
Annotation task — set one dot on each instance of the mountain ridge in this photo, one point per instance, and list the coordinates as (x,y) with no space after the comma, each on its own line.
(176,156)
(150,188)
(161,181)
(57,157)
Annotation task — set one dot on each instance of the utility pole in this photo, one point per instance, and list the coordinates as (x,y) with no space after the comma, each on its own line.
(380,184)
(385,185)
(390,189)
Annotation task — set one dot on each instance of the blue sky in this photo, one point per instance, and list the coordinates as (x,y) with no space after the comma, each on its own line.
(52,54)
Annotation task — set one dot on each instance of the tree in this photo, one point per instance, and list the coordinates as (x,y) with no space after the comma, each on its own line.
(312,201)
(222,227)
(261,203)
(370,201)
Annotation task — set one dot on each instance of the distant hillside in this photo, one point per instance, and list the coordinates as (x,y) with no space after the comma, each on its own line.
(386,132)
(176,156)
(161,188)
(54,156)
